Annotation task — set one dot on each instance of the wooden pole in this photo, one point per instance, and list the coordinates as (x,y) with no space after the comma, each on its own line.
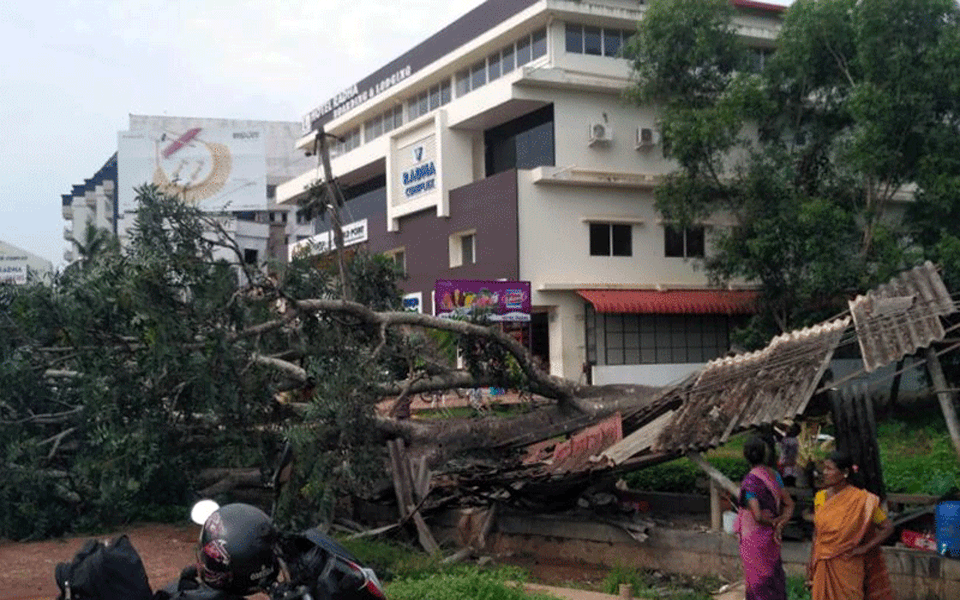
(945,397)
(715,516)
(721,479)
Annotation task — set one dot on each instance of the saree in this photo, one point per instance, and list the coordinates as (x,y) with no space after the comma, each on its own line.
(841,524)
(759,547)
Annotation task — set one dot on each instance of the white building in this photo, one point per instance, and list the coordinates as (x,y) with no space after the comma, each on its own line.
(502,148)
(17,266)
(228,167)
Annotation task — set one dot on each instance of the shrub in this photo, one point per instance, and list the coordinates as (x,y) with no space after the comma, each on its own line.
(464,582)
(682,476)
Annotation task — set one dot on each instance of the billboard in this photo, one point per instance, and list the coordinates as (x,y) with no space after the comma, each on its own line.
(353,233)
(13,272)
(502,300)
(215,169)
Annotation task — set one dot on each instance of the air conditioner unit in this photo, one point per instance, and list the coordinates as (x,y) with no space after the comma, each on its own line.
(600,133)
(647,137)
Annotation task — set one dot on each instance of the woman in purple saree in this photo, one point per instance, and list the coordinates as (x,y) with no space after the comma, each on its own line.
(765,507)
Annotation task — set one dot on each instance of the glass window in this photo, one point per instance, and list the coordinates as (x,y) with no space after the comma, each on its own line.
(611,42)
(574,38)
(463,82)
(523,51)
(599,239)
(621,240)
(397,117)
(478,75)
(506,60)
(695,242)
(445,93)
(467,254)
(423,103)
(413,108)
(539,43)
(434,97)
(592,43)
(672,241)
(493,66)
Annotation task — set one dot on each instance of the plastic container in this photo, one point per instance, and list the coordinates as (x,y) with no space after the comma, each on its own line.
(948,529)
(729,521)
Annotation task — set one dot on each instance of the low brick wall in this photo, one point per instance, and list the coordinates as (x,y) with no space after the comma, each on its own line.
(915,575)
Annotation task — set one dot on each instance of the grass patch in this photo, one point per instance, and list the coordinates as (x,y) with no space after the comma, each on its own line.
(464,582)
(654,584)
(917,454)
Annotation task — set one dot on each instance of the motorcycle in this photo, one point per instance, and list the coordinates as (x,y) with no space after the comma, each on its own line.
(313,566)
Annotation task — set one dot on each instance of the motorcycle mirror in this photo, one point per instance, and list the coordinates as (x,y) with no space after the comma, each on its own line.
(202,510)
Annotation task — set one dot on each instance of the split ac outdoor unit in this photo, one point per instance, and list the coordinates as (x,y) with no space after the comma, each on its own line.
(647,137)
(600,133)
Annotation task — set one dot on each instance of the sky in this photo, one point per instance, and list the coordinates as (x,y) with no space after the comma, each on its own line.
(72,71)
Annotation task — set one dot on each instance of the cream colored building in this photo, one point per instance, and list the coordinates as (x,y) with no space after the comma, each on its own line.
(502,147)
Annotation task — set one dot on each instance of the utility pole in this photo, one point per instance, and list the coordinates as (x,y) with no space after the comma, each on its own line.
(335,200)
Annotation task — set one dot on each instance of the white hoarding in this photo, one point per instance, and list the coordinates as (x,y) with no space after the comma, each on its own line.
(11,272)
(353,233)
(215,169)
(416,170)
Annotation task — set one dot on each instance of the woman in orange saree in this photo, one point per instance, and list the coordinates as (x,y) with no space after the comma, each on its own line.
(849,525)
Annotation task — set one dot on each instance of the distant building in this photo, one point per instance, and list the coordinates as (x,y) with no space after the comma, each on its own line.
(17,266)
(227,167)
(502,147)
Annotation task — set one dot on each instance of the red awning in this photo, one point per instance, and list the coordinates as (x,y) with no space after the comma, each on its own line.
(673,302)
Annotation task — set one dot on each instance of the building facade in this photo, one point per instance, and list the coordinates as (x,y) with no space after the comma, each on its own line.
(18,267)
(228,167)
(502,147)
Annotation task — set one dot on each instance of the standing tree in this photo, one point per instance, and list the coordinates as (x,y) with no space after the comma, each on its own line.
(814,153)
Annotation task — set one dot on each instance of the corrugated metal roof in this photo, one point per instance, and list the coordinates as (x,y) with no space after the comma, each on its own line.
(672,302)
(747,390)
(895,319)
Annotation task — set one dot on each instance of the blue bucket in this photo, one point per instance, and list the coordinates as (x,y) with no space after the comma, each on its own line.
(948,529)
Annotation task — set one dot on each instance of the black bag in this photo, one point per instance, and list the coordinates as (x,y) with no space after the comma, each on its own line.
(104,572)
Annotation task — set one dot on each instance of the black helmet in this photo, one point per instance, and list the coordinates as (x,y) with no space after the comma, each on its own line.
(236,550)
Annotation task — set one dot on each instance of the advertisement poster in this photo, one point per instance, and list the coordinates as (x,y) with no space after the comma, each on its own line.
(503,301)
(216,170)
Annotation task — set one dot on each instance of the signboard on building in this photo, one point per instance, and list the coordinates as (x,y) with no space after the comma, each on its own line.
(415,170)
(13,272)
(353,233)
(215,169)
(500,300)
(413,302)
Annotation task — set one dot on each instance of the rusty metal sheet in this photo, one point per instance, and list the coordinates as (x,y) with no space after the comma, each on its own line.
(577,452)
(896,318)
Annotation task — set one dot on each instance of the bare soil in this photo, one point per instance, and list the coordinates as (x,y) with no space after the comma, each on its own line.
(26,568)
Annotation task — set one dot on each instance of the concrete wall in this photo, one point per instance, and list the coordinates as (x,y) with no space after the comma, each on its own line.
(914,574)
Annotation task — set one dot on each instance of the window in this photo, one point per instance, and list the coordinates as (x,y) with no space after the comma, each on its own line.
(539,43)
(629,339)
(463,248)
(683,242)
(493,66)
(250,256)
(593,41)
(399,258)
(523,51)
(523,143)
(596,41)
(607,239)
(574,38)
(478,75)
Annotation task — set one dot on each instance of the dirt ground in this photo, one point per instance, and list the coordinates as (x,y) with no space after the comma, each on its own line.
(26,569)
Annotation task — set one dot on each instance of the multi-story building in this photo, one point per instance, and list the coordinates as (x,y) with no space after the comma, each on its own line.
(502,147)
(17,266)
(230,168)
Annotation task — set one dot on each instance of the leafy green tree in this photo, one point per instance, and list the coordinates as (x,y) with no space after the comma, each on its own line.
(814,154)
